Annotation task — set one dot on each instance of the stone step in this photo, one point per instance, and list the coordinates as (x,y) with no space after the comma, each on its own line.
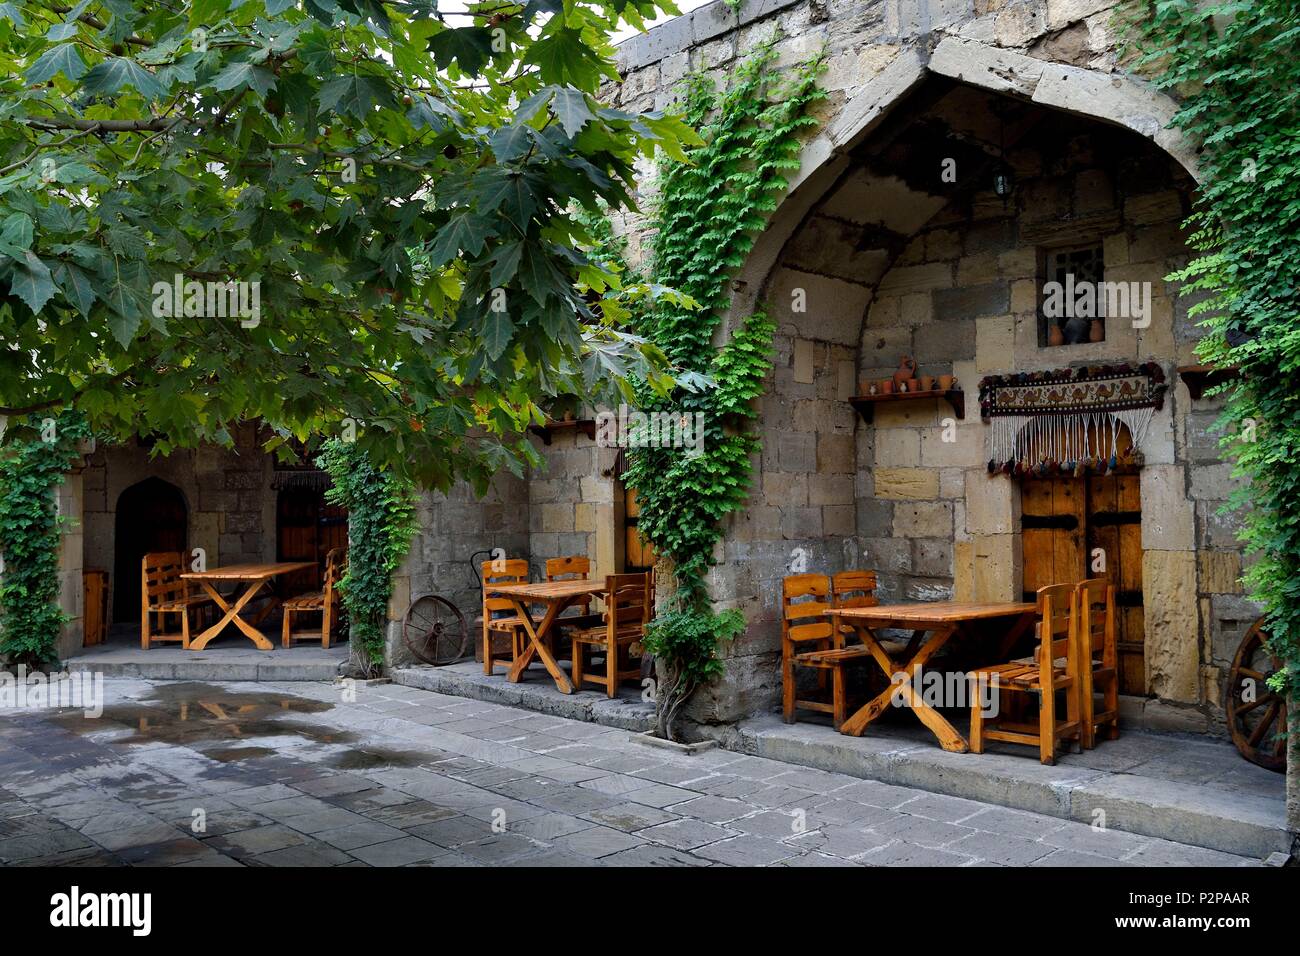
(1157,785)
(219,664)
(536,692)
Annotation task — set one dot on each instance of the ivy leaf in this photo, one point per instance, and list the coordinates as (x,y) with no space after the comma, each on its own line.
(470,47)
(113,74)
(63,58)
(569,106)
(31,281)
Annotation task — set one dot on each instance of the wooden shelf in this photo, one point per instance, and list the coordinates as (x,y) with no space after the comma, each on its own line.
(1201,378)
(585,425)
(866,404)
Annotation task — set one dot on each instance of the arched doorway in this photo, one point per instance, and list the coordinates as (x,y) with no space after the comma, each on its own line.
(150,516)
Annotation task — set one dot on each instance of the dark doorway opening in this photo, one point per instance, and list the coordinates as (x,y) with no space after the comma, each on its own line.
(150,516)
(307,527)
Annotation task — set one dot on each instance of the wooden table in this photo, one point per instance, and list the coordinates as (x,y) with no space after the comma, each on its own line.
(942,620)
(256,576)
(555,596)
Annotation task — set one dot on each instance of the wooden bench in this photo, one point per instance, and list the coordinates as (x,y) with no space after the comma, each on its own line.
(162,592)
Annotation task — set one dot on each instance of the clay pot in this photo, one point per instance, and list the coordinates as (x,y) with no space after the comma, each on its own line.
(886,386)
(927,383)
(945,382)
(906,370)
(1096,331)
(1055,335)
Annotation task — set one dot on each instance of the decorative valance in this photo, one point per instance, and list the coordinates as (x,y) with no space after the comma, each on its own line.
(1069,420)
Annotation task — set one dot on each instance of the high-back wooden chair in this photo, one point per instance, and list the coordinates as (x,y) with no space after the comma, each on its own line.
(1054,667)
(323,602)
(571,568)
(500,620)
(629,605)
(163,592)
(1099,667)
(853,589)
(806,628)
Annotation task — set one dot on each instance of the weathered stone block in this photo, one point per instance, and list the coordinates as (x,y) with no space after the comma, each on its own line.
(923,519)
(1220,572)
(968,302)
(1171,625)
(1167,516)
(898,447)
(907,484)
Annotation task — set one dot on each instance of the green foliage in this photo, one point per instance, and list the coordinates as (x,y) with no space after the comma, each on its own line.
(708,215)
(378,166)
(31,469)
(381,524)
(1235,68)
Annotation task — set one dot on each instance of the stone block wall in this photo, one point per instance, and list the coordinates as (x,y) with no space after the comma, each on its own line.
(230,504)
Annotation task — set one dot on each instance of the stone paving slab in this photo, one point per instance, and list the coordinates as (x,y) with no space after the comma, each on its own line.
(154,782)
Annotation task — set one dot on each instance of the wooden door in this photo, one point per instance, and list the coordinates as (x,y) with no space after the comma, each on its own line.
(307,527)
(1075,528)
(638,555)
(151,516)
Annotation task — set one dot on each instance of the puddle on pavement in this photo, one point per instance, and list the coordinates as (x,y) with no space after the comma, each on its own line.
(194,714)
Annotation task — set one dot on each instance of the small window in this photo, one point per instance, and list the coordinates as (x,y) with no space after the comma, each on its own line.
(1072,302)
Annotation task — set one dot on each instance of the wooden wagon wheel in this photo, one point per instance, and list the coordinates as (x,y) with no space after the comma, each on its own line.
(434,630)
(1256,714)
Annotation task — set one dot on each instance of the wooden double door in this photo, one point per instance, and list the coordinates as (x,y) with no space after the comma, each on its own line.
(307,527)
(1076,528)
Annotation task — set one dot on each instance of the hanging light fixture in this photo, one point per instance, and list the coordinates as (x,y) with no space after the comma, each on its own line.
(1004,180)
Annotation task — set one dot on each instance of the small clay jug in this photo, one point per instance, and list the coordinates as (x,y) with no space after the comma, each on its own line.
(1055,335)
(906,369)
(945,382)
(927,383)
(1096,331)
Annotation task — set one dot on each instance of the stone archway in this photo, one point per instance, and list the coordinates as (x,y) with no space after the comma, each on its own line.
(896,496)
(151,515)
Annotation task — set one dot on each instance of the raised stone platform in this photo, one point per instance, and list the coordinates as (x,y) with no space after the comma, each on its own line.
(536,692)
(227,659)
(1176,787)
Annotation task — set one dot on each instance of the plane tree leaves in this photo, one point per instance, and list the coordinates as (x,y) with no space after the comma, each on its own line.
(408,195)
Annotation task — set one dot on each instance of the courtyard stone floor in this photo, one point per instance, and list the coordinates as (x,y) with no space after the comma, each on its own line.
(321,774)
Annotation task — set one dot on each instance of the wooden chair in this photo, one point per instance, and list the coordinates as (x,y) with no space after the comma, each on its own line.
(1099,670)
(572,568)
(810,640)
(507,623)
(629,604)
(162,592)
(323,602)
(1054,667)
(853,589)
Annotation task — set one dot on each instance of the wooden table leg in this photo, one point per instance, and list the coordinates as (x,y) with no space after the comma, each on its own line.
(231,616)
(536,646)
(903,691)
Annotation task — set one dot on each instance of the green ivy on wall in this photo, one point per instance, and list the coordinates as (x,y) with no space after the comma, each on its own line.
(31,469)
(381,524)
(1233,65)
(707,216)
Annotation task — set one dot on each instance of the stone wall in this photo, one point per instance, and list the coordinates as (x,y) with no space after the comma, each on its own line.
(893,260)
(230,505)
